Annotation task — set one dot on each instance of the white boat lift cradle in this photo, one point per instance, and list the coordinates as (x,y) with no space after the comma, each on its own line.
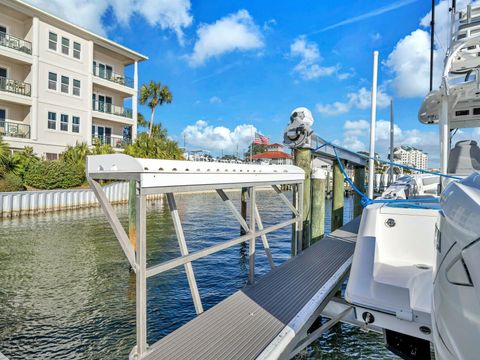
(270,317)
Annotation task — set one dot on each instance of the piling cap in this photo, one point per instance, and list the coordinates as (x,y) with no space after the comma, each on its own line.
(318,173)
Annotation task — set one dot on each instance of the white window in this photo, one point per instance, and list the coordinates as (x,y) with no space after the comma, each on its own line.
(64,122)
(52,81)
(65,83)
(75,124)
(65,46)
(52,41)
(52,120)
(76,50)
(76,87)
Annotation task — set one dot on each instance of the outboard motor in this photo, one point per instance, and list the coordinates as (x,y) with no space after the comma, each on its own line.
(456,289)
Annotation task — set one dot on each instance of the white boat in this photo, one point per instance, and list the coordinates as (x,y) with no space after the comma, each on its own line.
(416,268)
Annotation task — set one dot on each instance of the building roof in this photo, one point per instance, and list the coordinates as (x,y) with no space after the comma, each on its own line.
(272,155)
(56,21)
(276,145)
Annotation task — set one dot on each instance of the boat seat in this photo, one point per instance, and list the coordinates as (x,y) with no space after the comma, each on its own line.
(416,278)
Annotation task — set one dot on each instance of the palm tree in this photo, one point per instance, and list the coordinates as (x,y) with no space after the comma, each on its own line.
(154,94)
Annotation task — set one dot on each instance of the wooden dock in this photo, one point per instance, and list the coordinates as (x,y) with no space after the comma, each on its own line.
(266,320)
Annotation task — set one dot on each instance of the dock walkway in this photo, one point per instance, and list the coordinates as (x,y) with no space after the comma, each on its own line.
(267,319)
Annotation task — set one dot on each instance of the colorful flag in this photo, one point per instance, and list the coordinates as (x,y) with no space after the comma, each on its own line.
(260,139)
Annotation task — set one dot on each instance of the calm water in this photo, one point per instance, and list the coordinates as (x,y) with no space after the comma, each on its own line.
(66,291)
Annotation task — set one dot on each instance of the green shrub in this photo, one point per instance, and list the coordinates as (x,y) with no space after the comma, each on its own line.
(54,175)
(11,182)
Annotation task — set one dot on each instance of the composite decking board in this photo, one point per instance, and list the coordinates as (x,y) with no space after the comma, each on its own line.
(244,324)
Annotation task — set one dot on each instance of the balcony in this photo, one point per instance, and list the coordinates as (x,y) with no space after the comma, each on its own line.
(116,141)
(111,109)
(15,86)
(113,77)
(15,43)
(14,129)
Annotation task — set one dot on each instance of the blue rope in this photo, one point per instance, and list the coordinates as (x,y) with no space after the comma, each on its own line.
(364,199)
(394,164)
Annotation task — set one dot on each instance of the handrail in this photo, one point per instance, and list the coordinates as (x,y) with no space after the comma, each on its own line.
(108,108)
(115,141)
(113,77)
(13,129)
(15,43)
(15,86)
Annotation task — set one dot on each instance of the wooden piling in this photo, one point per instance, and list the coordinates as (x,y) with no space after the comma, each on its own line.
(303,159)
(338,197)
(359,182)
(132,213)
(243,208)
(319,180)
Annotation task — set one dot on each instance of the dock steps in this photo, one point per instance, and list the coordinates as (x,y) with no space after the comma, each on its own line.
(266,320)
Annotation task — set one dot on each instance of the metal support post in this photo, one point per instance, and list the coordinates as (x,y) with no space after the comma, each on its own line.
(301,221)
(197,302)
(132,190)
(264,239)
(141,275)
(253,229)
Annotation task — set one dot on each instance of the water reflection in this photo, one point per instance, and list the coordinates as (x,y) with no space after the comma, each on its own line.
(66,290)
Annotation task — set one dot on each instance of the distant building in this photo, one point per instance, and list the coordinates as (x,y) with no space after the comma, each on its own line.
(410,156)
(274,154)
(274,147)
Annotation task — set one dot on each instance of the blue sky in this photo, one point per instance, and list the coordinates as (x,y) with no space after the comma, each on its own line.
(232,65)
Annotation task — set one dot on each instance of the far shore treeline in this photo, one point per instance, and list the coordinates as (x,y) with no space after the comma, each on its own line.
(24,170)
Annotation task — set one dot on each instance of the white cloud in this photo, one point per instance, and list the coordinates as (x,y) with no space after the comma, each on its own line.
(345,75)
(233,32)
(410,63)
(308,68)
(215,100)
(216,138)
(167,14)
(360,99)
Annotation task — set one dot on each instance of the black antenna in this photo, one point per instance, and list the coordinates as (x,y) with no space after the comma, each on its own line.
(432,42)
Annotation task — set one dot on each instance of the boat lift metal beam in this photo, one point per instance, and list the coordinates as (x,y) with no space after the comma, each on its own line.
(327,151)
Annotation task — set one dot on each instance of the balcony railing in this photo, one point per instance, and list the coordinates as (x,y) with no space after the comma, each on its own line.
(14,129)
(15,86)
(115,141)
(15,43)
(108,108)
(113,77)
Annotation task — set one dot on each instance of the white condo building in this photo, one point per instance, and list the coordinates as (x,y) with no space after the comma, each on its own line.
(410,156)
(61,84)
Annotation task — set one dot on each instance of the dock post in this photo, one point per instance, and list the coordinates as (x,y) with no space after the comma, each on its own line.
(141,275)
(359,182)
(243,208)
(303,159)
(132,214)
(338,197)
(253,230)
(319,179)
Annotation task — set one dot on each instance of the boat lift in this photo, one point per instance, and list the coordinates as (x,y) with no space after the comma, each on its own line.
(270,317)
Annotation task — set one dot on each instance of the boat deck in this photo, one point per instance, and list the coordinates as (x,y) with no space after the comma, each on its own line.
(266,319)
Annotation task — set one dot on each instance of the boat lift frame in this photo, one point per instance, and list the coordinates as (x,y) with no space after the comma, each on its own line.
(169,177)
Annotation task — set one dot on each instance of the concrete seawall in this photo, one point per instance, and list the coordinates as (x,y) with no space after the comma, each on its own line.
(37,202)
